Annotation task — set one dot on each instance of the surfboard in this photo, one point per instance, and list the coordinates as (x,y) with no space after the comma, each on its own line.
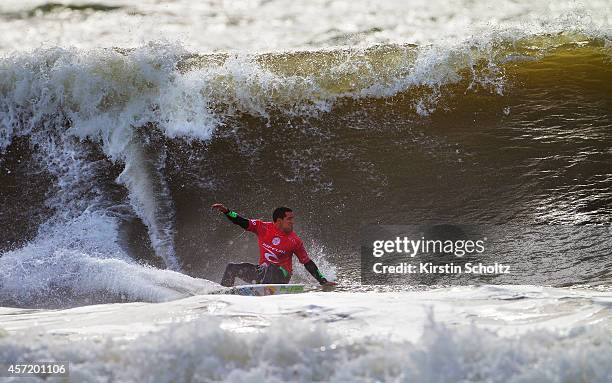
(262,290)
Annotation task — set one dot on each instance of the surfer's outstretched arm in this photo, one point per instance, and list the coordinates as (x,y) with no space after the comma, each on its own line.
(238,220)
(232,215)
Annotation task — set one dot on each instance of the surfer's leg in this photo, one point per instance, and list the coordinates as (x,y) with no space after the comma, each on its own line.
(245,271)
(275,274)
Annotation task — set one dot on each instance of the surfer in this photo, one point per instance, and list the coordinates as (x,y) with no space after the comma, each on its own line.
(277,243)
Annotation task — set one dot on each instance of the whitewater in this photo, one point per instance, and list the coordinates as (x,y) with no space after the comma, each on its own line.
(121,122)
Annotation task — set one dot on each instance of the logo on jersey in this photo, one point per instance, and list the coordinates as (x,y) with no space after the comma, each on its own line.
(275,241)
(270,257)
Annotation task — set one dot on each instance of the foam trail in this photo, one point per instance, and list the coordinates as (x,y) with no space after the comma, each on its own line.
(80,262)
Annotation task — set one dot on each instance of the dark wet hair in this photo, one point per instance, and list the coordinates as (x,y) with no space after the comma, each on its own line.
(279,213)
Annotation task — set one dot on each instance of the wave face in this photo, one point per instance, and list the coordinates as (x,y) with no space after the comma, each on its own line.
(111,157)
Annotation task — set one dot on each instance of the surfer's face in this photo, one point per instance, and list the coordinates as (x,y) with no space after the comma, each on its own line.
(286,224)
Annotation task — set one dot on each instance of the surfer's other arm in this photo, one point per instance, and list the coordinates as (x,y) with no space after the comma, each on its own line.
(311,266)
(314,271)
(232,215)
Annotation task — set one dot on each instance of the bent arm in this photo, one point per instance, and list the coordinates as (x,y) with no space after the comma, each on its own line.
(315,272)
(309,264)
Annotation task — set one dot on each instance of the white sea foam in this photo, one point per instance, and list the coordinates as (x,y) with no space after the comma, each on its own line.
(276,26)
(516,334)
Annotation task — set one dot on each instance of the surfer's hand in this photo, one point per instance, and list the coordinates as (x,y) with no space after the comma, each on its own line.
(220,207)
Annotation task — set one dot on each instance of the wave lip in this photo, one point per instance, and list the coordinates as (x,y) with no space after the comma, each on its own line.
(103,92)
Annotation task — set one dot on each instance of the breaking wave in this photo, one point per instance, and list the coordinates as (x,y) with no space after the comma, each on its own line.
(110,156)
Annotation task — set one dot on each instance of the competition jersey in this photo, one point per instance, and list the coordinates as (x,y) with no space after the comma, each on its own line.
(276,246)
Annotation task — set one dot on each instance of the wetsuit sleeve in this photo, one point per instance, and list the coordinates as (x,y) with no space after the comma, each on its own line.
(238,220)
(314,271)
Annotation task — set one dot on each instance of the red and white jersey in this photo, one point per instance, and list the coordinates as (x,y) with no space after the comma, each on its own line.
(276,246)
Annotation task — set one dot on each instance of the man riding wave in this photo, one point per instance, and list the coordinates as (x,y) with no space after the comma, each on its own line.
(277,244)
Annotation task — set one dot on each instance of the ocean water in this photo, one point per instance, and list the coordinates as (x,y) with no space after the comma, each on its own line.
(122,121)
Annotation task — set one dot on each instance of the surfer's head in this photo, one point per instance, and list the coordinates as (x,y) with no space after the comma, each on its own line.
(283,219)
